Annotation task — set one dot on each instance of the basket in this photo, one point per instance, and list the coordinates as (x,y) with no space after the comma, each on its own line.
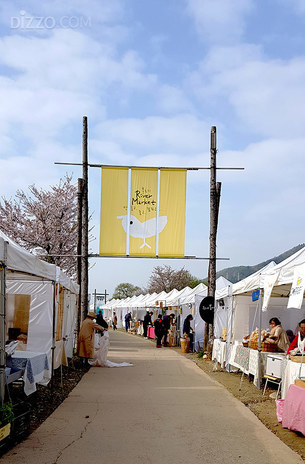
(297,359)
(265,346)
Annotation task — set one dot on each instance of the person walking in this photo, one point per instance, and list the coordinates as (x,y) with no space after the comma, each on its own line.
(146,322)
(114,322)
(85,346)
(159,330)
(127,321)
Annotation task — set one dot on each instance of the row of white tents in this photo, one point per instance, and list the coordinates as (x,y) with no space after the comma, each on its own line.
(278,284)
(37,300)
(180,302)
(235,309)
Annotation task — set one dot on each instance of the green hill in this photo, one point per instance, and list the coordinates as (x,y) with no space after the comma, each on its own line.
(236,273)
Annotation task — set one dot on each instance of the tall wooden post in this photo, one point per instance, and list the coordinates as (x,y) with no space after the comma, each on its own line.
(79,250)
(214,207)
(95,301)
(2,324)
(85,232)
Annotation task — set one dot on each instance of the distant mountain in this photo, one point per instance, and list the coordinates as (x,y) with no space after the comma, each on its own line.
(236,273)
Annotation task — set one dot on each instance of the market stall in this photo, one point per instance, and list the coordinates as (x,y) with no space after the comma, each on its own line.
(36,304)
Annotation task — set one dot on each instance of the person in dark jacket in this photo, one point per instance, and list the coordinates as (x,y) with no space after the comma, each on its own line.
(127,321)
(100,320)
(166,327)
(146,322)
(159,330)
(187,330)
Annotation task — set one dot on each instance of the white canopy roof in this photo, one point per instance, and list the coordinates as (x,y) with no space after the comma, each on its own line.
(20,260)
(175,300)
(247,285)
(200,289)
(285,269)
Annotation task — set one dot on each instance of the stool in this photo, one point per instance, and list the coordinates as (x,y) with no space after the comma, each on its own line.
(272,379)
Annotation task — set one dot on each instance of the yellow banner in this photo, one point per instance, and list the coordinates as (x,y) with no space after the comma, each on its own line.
(143,212)
(172,207)
(114,201)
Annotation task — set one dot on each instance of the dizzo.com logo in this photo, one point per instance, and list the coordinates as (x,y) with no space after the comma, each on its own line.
(26,22)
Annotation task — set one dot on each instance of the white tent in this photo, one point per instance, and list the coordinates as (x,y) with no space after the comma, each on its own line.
(41,301)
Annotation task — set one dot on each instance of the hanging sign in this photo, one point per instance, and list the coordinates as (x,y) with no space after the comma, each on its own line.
(297,288)
(269,281)
(143,216)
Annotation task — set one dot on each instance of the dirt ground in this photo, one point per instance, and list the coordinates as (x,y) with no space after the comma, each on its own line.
(262,406)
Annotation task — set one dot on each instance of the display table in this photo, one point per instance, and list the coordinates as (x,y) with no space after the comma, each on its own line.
(246,360)
(151,332)
(219,351)
(294,409)
(35,366)
(292,371)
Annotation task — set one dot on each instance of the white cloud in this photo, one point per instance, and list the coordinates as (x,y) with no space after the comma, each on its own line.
(268,96)
(173,100)
(56,80)
(98,11)
(180,135)
(220,20)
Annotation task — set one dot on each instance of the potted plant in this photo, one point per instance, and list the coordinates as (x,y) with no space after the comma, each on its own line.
(6,418)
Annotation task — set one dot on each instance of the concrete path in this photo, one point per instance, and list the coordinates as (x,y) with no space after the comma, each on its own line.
(164,409)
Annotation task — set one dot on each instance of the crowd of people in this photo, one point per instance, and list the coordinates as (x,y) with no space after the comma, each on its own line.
(92,346)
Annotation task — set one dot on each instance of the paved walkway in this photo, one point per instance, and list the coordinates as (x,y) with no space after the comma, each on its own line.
(164,409)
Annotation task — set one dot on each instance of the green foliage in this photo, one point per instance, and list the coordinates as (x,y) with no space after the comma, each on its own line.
(200,354)
(6,414)
(126,290)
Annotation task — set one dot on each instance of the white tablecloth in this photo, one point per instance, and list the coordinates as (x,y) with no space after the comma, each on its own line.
(291,372)
(35,366)
(253,362)
(219,352)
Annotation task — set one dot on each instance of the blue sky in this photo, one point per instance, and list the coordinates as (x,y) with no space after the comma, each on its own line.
(153,77)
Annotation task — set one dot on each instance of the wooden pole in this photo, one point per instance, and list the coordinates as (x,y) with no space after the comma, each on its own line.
(214,203)
(95,301)
(85,232)
(79,250)
(2,325)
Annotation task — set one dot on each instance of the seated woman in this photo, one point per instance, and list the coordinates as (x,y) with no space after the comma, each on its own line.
(277,335)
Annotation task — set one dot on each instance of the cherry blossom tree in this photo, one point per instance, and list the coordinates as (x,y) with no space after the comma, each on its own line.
(44,222)
(165,278)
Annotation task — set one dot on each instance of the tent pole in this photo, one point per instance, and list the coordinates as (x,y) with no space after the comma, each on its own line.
(53,333)
(2,325)
(259,371)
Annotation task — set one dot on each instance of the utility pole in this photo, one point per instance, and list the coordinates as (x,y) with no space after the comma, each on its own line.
(79,250)
(2,325)
(215,189)
(94,302)
(85,228)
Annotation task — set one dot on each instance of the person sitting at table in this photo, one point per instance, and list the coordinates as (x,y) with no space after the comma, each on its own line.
(277,334)
(299,341)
